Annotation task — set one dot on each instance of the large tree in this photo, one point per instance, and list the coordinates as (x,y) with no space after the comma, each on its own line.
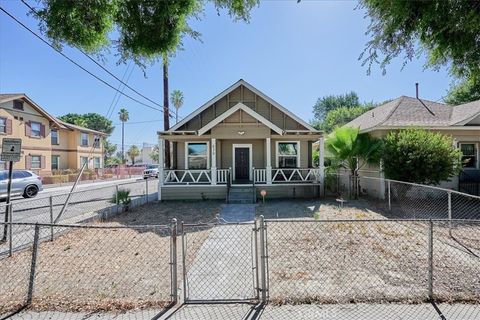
(448,31)
(341,116)
(331,102)
(464,91)
(91,120)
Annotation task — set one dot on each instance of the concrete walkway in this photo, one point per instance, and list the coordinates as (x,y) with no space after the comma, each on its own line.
(286,312)
(238,212)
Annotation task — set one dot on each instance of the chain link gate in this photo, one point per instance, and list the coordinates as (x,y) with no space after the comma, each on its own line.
(221,262)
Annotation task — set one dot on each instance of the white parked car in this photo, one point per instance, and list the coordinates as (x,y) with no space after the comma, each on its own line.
(24,183)
(150,172)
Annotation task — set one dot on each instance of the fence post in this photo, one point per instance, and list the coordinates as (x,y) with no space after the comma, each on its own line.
(449,213)
(33,265)
(51,217)
(255,237)
(173,262)
(116,197)
(389,196)
(184,265)
(146,189)
(263,261)
(430,260)
(10,234)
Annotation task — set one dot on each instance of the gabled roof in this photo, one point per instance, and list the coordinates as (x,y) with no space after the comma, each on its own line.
(412,112)
(251,88)
(231,111)
(6,97)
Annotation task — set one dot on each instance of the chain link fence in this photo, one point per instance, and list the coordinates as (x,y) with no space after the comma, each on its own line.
(375,265)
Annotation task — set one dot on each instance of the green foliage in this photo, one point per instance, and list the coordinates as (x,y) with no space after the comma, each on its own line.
(331,102)
(448,31)
(133,152)
(121,197)
(113,160)
(109,148)
(346,146)
(341,116)
(420,156)
(464,91)
(154,154)
(176,97)
(91,120)
(147,30)
(123,115)
(83,23)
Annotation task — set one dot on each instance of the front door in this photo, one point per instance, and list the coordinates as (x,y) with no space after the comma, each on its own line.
(242,163)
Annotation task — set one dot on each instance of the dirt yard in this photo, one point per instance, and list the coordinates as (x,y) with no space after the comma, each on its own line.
(125,266)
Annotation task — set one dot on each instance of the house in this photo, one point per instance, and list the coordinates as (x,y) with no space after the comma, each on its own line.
(47,142)
(241,141)
(461,122)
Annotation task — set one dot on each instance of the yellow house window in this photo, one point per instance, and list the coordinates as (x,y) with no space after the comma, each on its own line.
(55,162)
(84,139)
(36,162)
(54,134)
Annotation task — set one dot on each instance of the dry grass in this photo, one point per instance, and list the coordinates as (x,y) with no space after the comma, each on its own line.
(112,269)
(384,261)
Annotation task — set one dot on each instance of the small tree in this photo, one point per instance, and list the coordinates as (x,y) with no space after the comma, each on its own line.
(351,150)
(154,154)
(133,152)
(420,156)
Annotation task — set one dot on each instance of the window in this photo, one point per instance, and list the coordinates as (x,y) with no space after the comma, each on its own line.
(84,139)
(36,129)
(55,162)
(96,141)
(84,160)
(197,155)
(469,158)
(3,125)
(54,134)
(18,104)
(20,174)
(288,154)
(36,162)
(96,163)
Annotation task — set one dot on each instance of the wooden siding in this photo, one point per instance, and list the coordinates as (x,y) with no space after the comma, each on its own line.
(250,99)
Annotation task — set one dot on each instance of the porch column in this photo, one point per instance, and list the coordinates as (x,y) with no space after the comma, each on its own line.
(214,161)
(268,167)
(321,163)
(161,166)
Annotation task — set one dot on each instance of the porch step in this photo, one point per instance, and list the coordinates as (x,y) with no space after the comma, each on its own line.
(241,195)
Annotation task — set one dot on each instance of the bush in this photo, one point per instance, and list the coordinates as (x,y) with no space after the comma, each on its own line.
(122,196)
(420,156)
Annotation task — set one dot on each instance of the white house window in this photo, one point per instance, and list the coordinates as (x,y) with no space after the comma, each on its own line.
(84,139)
(55,162)
(197,155)
(288,154)
(36,162)
(469,155)
(54,135)
(3,125)
(36,129)
(96,141)
(96,163)
(84,160)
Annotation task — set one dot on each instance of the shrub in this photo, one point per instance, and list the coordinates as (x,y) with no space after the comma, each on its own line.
(123,197)
(420,156)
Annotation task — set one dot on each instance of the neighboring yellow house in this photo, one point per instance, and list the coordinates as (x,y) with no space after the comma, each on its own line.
(47,143)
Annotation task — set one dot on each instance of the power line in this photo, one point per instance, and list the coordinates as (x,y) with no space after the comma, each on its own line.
(105,69)
(138,122)
(116,93)
(119,96)
(75,63)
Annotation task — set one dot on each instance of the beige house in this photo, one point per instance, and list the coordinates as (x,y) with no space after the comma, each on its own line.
(47,143)
(461,122)
(237,144)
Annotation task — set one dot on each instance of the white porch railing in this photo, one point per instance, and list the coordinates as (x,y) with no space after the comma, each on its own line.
(260,175)
(175,176)
(297,175)
(222,176)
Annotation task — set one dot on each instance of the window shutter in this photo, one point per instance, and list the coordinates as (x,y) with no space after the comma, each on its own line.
(42,162)
(8,126)
(28,129)
(42,130)
(28,162)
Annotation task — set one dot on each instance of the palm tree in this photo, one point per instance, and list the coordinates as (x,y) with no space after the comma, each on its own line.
(166,109)
(351,150)
(133,152)
(177,101)
(123,116)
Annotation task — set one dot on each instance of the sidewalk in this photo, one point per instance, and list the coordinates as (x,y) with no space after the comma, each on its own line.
(89,182)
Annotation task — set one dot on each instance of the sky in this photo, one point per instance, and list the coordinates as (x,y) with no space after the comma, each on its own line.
(293,52)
